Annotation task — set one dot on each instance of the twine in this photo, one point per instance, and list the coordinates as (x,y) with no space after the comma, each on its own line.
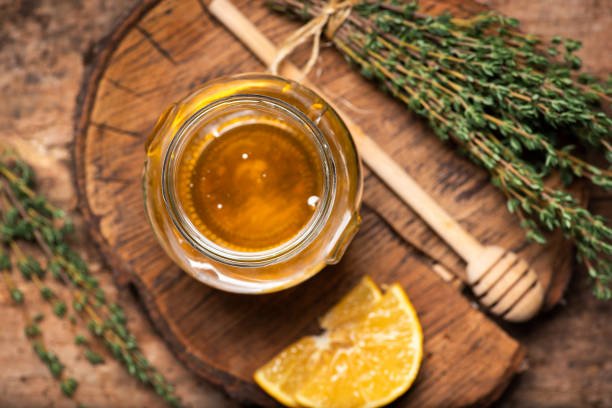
(331,18)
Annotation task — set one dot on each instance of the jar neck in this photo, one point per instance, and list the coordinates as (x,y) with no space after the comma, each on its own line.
(217,111)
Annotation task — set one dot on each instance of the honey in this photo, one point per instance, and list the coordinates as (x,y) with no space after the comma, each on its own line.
(252,186)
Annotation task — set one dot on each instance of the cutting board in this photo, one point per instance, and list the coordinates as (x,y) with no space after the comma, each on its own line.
(166,48)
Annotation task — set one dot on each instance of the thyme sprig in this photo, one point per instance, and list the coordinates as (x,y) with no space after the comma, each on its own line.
(29,220)
(512,102)
(33,333)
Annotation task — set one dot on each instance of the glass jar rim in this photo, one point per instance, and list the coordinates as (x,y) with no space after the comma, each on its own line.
(206,246)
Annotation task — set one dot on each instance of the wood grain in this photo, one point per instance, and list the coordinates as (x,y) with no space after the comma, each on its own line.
(161,52)
(44,46)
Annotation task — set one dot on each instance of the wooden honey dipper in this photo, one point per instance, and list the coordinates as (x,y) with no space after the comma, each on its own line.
(503,283)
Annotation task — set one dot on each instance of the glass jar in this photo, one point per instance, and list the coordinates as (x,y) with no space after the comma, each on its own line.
(318,164)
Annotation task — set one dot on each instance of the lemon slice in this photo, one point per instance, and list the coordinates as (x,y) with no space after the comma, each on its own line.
(369,355)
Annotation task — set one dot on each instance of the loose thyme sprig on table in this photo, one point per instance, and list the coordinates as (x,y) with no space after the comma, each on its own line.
(29,221)
(511,102)
(68,385)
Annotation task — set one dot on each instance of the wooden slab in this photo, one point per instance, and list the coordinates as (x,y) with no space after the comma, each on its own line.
(164,49)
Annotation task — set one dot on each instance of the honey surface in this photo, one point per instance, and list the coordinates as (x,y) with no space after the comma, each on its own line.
(252,187)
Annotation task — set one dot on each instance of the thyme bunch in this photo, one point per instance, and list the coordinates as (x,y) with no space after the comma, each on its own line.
(512,102)
(34,241)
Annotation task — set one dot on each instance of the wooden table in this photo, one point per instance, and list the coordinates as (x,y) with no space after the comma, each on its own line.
(44,45)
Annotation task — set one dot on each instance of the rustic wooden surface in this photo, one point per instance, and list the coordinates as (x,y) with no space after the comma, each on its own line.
(42,44)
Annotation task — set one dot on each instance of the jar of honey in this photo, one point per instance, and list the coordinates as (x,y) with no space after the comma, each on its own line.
(252,184)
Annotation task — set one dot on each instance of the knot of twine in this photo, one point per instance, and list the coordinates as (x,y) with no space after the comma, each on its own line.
(332,16)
